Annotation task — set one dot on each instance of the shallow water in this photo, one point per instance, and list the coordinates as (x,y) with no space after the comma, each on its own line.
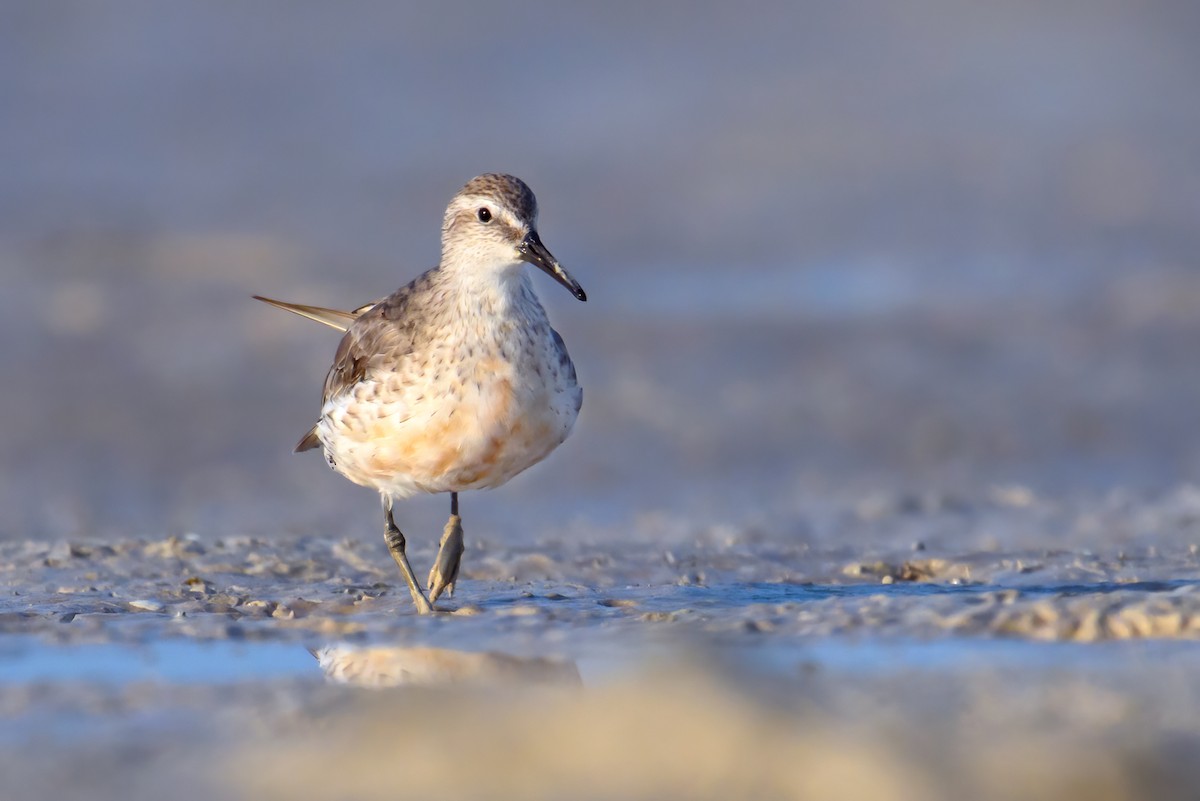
(197,656)
(26,661)
(897,716)
(166,661)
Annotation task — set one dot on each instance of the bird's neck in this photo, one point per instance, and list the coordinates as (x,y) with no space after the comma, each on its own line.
(499,290)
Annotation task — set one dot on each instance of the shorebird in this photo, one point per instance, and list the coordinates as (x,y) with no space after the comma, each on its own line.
(456,381)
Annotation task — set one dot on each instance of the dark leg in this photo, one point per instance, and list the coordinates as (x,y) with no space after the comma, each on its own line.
(395,543)
(445,570)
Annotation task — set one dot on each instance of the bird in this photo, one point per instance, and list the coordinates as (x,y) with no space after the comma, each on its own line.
(456,381)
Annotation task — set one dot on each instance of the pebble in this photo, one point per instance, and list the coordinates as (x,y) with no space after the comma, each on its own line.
(147,606)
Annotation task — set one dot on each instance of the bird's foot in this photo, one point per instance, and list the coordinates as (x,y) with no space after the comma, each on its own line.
(395,544)
(444,573)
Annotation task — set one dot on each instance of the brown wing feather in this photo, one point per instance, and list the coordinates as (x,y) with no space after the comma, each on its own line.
(349,363)
(366,307)
(382,336)
(333,318)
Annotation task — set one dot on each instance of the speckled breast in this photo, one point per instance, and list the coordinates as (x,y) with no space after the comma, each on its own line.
(473,424)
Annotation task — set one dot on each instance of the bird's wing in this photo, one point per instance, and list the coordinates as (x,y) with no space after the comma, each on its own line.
(381,338)
(333,318)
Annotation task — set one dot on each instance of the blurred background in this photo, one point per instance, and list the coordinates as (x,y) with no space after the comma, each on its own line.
(829,248)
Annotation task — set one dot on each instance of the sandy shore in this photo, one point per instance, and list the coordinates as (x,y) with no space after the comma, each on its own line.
(717,664)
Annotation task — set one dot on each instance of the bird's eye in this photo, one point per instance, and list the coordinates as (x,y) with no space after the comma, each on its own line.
(485,215)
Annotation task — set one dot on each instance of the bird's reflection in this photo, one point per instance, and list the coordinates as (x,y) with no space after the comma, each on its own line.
(396,666)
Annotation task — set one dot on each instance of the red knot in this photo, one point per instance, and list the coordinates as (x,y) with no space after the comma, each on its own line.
(456,381)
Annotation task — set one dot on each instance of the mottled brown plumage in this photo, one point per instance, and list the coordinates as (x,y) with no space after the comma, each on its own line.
(455,381)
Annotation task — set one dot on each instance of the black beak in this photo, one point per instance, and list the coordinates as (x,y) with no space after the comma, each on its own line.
(533,251)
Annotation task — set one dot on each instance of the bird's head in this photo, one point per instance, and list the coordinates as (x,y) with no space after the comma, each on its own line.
(491,224)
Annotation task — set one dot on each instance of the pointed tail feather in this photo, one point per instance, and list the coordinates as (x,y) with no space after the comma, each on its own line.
(308,441)
(333,318)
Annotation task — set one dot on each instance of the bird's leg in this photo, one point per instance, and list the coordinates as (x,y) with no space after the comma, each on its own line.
(395,543)
(445,570)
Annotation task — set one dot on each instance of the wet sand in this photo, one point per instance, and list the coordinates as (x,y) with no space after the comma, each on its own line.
(1004,562)
(721,664)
